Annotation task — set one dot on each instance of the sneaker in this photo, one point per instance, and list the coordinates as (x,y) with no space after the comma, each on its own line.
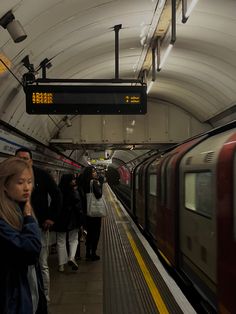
(61,268)
(73,264)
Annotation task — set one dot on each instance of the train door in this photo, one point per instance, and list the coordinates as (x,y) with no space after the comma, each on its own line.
(140,197)
(146,187)
(152,197)
(198,215)
(170,212)
(168,203)
(161,207)
(135,189)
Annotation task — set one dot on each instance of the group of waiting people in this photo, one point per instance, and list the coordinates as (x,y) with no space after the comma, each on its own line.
(73,219)
(27,218)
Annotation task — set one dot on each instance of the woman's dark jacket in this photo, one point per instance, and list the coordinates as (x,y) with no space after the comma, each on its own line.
(70,216)
(19,249)
(45,187)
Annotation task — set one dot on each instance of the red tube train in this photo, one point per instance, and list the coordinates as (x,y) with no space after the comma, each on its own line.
(185,200)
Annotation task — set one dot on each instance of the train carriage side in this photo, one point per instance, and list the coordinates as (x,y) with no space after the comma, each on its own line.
(145,187)
(135,190)
(160,209)
(140,194)
(140,197)
(123,188)
(167,203)
(198,232)
(152,198)
(226,226)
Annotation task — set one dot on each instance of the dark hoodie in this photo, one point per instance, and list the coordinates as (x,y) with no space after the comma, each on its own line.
(70,216)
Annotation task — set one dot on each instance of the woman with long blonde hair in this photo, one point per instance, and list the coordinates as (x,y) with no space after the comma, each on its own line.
(21,288)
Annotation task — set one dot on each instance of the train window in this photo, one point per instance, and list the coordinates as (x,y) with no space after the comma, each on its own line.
(153,184)
(198,195)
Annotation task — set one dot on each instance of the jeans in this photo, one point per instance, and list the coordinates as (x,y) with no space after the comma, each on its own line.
(47,239)
(61,246)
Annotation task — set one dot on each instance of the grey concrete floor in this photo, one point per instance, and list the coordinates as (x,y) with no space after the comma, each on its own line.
(75,292)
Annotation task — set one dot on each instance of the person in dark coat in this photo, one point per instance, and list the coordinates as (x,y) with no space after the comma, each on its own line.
(83,229)
(21,284)
(45,189)
(68,223)
(93,224)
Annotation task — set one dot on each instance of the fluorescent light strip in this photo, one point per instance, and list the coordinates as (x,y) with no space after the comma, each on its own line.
(190,9)
(166,54)
(149,86)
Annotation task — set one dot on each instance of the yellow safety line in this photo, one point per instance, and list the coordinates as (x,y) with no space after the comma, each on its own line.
(148,278)
(151,284)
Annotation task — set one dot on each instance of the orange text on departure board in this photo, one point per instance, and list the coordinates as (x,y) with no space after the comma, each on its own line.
(132,99)
(42,98)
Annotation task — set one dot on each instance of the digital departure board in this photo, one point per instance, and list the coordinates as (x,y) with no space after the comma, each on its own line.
(80,99)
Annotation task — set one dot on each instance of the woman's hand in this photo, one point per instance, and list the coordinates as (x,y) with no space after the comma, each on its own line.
(48,224)
(27,211)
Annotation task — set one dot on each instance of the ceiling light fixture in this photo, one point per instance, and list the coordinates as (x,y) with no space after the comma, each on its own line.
(161,59)
(187,9)
(13,26)
(149,87)
(166,54)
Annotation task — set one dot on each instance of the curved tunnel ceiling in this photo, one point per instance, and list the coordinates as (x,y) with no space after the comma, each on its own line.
(198,75)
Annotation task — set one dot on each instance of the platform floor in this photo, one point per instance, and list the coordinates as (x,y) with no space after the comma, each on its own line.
(129,278)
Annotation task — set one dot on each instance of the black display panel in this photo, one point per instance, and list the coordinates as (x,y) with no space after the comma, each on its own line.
(94,99)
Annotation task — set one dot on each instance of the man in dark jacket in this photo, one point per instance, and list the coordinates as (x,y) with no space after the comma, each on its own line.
(45,211)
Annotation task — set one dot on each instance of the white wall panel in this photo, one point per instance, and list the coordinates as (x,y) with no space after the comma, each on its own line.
(74,131)
(135,129)
(113,130)
(178,124)
(91,129)
(157,123)
(198,127)
(164,123)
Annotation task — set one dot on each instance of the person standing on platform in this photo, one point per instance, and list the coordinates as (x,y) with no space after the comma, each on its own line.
(21,283)
(68,223)
(46,212)
(93,224)
(83,229)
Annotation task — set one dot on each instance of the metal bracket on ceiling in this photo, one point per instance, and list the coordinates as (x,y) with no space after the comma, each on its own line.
(117,28)
(116,80)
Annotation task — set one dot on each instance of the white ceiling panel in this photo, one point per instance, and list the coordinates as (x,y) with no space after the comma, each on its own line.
(199,75)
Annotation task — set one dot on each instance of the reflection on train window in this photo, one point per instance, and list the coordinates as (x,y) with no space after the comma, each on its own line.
(153,184)
(198,192)
(136,181)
